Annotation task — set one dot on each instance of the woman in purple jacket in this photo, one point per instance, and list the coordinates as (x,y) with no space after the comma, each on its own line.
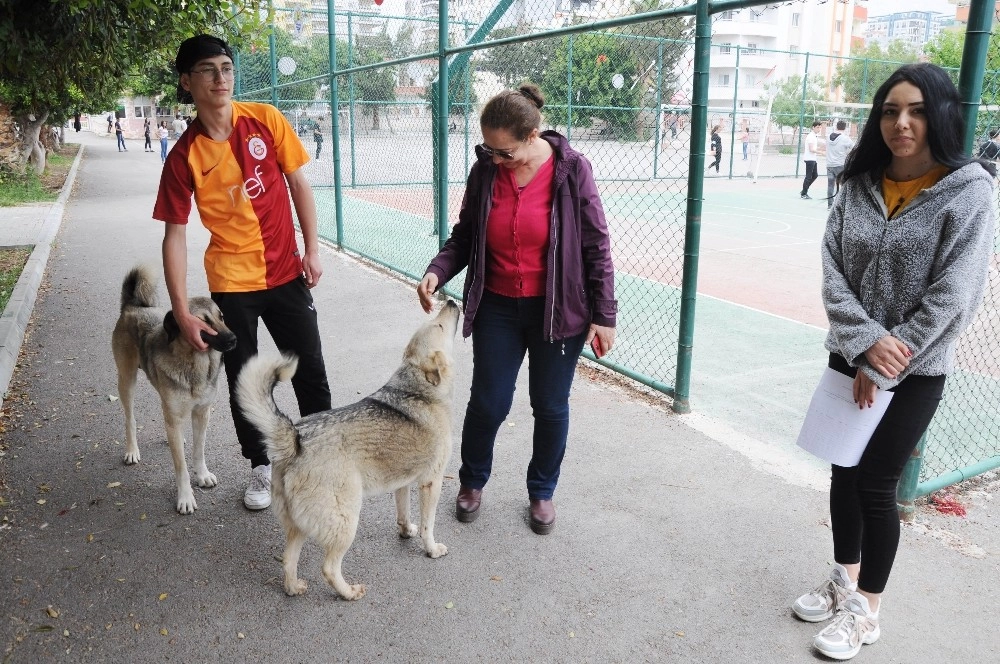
(540,280)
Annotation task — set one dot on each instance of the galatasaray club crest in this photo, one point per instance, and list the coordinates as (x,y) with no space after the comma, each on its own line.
(257,147)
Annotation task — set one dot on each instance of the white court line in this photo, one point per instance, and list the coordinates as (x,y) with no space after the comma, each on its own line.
(770,459)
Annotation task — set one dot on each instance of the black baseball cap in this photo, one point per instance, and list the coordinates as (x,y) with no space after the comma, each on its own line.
(198,48)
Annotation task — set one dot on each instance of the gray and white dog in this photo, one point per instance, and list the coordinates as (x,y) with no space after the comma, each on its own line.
(324,464)
(148,338)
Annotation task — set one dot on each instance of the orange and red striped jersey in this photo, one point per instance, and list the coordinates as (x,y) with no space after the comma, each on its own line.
(242,197)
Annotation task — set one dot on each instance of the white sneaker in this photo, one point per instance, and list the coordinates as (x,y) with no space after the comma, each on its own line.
(821,604)
(854,626)
(258,493)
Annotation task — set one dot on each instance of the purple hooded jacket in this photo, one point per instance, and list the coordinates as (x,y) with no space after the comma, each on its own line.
(580,279)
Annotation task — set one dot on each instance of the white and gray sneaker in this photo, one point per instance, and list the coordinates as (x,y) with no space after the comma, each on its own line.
(822,603)
(258,493)
(854,626)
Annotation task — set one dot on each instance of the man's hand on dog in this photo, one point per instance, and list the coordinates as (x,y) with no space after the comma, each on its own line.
(191,329)
(425,291)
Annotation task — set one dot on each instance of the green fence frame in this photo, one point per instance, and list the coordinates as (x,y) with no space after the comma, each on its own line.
(452,59)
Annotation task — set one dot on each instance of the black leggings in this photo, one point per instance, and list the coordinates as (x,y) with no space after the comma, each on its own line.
(863,512)
(290,316)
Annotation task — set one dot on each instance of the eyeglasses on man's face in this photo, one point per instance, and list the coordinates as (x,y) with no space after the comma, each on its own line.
(499,154)
(211,73)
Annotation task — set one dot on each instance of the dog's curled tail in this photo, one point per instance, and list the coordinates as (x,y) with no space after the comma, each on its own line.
(139,288)
(255,397)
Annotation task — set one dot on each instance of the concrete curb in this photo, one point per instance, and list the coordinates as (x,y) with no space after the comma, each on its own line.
(15,317)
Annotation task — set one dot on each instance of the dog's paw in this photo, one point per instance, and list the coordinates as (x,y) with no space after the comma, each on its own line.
(356,591)
(296,588)
(407,530)
(186,504)
(206,480)
(437,550)
(131,457)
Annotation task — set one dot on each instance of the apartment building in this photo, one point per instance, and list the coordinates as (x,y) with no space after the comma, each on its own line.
(756,46)
(914,28)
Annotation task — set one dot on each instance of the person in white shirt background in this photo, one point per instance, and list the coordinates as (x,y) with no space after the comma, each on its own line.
(810,157)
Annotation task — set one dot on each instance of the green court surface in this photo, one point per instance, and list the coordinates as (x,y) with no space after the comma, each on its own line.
(759,322)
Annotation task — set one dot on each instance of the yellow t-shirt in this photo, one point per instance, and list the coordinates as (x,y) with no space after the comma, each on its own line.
(897,195)
(242,197)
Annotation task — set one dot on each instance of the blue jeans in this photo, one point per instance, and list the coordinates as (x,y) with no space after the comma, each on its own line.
(163,149)
(121,142)
(504,329)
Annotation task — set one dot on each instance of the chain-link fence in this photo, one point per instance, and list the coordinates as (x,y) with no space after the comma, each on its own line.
(623,95)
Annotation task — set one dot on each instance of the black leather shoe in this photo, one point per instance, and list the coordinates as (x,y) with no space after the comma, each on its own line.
(467,504)
(543,516)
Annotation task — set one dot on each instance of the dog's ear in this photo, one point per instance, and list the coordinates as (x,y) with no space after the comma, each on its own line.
(434,367)
(171,327)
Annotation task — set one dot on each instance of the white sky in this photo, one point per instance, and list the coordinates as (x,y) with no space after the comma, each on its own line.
(883,7)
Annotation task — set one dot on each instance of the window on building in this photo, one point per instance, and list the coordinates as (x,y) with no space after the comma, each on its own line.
(751,48)
(727,16)
(795,20)
(838,25)
(755,104)
(793,52)
(724,80)
(725,48)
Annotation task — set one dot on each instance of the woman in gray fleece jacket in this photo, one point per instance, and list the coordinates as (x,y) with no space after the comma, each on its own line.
(905,260)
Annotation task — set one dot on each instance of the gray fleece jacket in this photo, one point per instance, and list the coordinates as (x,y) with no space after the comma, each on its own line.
(919,276)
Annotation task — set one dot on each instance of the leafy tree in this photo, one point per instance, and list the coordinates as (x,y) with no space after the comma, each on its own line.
(868,67)
(787,109)
(946,51)
(670,37)
(376,85)
(62,56)
(596,59)
(516,63)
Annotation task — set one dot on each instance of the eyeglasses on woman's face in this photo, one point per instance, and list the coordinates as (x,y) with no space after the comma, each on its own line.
(212,73)
(499,154)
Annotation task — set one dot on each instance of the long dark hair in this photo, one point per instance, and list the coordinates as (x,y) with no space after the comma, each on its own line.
(942,108)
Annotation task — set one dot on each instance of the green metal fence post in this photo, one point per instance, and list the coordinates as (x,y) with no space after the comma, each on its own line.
(660,126)
(441,126)
(802,113)
(906,491)
(864,82)
(272,47)
(338,193)
(569,88)
(350,102)
(692,230)
(970,76)
(732,128)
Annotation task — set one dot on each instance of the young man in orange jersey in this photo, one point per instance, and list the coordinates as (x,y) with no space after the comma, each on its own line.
(240,161)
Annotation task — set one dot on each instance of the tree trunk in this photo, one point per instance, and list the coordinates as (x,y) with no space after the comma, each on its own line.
(375,124)
(32,152)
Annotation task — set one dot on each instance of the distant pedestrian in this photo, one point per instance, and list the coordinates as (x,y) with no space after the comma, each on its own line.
(164,134)
(179,126)
(991,148)
(811,157)
(716,148)
(318,138)
(76,123)
(146,134)
(111,125)
(745,138)
(120,136)
(838,144)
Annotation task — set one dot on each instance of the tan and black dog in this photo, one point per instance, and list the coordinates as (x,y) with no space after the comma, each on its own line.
(324,464)
(187,380)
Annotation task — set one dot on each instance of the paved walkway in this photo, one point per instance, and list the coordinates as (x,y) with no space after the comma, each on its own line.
(670,546)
